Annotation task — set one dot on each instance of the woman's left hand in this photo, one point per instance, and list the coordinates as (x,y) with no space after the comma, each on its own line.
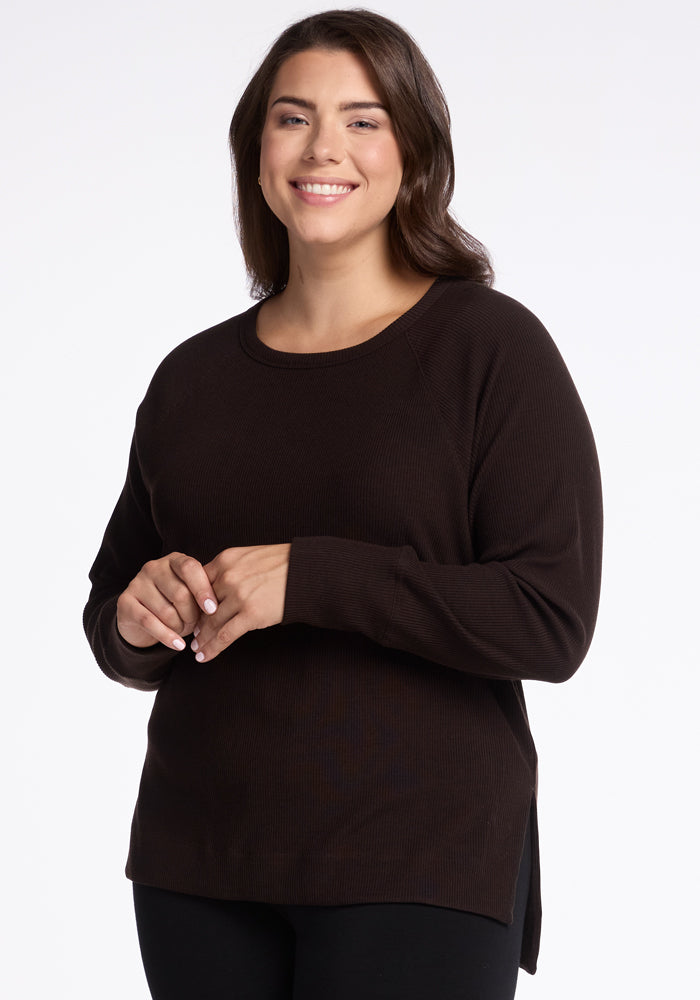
(250,584)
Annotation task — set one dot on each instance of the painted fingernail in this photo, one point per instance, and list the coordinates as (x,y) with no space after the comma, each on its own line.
(209,606)
(195,631)
(194,645)
(179,644)
(199,657)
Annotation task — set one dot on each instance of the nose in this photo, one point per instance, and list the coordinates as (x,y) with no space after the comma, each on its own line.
(325,144)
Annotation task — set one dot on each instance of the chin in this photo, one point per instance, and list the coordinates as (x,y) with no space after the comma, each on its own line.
(323,237)
(331,236)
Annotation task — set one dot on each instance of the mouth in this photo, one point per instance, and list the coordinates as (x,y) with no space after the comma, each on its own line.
(328,188)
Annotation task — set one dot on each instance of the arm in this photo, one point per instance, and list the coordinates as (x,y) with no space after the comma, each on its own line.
(140,607)
(520,597)
(525,606)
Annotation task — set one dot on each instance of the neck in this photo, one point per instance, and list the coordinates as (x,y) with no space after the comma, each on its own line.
(325,285)
(336,298)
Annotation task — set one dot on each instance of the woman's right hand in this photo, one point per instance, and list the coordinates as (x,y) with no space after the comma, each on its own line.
(164,602)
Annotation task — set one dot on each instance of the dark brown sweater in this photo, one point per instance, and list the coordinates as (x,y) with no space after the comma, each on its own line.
(440,487)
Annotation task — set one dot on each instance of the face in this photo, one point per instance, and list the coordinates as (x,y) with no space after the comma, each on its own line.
(330,165)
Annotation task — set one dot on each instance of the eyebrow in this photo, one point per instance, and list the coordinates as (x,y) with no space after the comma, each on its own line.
(347,106)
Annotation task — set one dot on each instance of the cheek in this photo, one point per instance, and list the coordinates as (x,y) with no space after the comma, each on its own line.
(386,168)
(387,162)
(267,153)
(275,151)
(271,162)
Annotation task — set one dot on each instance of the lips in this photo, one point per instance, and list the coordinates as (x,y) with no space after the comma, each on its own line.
(328,187)
(322,192)
(324,188)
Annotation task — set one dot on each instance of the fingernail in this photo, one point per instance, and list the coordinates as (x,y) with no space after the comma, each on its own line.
(199,657)
(194,645)
(209,606)
(179,644)
(195,631)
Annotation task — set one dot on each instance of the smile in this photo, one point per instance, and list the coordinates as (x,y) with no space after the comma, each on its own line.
(327,189)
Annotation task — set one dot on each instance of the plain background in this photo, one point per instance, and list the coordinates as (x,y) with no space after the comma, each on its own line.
(575,129)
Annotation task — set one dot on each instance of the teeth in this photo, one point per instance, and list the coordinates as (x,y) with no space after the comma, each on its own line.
(325,188)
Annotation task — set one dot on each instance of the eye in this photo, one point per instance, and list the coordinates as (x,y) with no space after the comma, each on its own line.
(363,124)
(292,120)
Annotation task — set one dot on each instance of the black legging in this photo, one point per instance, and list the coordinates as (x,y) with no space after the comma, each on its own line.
(203,949)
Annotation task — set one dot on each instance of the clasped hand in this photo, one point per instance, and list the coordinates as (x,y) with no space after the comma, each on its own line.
(241,589)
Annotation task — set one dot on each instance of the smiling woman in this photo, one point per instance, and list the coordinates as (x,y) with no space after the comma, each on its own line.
(356,517)
(336,122)
(423,235)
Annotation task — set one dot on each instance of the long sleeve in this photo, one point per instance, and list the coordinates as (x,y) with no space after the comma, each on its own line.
(130,539)
(525,605)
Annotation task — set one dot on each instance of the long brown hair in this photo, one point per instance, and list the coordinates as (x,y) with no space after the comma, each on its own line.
(423,234)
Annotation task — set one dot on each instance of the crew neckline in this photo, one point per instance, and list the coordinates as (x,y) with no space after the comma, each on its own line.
(254,347)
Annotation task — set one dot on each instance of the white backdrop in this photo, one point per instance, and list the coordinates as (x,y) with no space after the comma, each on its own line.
(575,130)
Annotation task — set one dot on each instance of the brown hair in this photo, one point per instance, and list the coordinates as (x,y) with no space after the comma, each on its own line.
(423,234)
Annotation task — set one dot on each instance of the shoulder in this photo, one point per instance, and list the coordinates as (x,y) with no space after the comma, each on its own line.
(471,314)
(472,331)
(213,345)
(196,363)
(485,356)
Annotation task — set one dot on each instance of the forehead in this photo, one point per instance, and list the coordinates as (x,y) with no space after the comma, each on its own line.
(325,74)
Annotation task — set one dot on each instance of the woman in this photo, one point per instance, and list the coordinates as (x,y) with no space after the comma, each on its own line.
(356,517)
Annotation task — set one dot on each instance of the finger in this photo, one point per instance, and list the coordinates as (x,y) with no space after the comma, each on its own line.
(174,604)
(166,597)
(137,624)
(191,572)
(158,588)
(160,631)
(145,593)
(209,626)
(233,629)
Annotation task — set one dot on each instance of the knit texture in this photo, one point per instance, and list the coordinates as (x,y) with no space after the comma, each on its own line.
(440,488)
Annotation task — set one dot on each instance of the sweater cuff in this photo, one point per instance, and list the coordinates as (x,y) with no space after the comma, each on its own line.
(134,666)
(342,584)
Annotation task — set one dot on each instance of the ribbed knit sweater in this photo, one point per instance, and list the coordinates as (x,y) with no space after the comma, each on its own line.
(440,489)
